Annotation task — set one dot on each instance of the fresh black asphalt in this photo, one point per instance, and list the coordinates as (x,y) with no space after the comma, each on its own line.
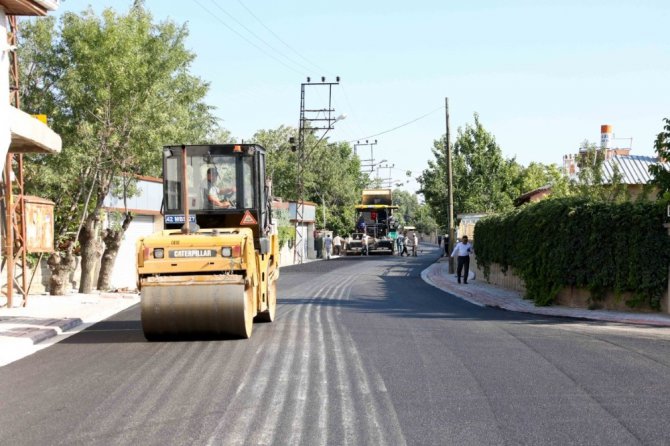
(362,352)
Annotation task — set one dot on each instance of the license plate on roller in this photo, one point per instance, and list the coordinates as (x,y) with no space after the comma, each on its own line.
(192,253)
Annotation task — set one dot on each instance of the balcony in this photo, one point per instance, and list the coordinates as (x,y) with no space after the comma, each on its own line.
(29,7)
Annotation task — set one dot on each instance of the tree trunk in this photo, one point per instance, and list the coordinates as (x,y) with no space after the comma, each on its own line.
(112,239)
(91,249)
(61,266)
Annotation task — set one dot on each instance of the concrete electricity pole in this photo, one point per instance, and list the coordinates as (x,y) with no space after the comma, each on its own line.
(311,120)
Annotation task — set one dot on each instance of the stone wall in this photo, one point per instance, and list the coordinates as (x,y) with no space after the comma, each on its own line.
(40,283)
(568,296)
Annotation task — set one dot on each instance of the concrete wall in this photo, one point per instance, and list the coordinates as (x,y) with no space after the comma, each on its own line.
(498,278)
(40,284)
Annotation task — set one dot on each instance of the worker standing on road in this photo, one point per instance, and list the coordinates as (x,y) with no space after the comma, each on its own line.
(318,246)
(400,242)
(409,240)
(328,245)
(365,245)
(462,250)
(337,245)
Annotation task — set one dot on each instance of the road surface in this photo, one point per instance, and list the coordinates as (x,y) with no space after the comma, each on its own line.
(363,352)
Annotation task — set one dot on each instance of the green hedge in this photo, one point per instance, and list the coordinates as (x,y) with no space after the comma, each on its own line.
(599,246)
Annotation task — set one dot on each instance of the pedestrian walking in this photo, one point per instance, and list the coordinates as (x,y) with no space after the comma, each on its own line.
(462,251)
(415,244)
(400,244)
(406,244)
(328,245)
(318,246)
(337,245)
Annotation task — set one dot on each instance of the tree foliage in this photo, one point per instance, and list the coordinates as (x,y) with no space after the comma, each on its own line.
(412,213)
(116,87)
(579,242)
(483,180)
(661,176)
(331,175)
(592,180)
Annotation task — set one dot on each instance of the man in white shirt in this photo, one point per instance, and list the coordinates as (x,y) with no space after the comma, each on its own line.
(328,244)
(462,250)
(337,245)
(217,197)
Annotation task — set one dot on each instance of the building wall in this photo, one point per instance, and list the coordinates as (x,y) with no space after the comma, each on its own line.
(124,275)
(5,135)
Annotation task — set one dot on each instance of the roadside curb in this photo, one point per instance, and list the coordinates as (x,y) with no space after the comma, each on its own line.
(426,276)
(48,319)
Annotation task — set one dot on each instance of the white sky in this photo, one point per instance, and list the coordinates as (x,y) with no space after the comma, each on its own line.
(543,75)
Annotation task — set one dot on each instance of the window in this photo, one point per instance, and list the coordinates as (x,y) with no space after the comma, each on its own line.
(248,181)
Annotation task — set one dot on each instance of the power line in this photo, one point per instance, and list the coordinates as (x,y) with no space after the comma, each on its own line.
(280,39)
(245,39)
(399,126)
(258,37)
(351,109)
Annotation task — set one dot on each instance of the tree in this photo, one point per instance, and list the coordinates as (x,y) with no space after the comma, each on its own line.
(661,176)
(482,176)
(337,181)
(412,213)
(331,175)
(483,179)
(281,160)
(592,181)
(118,88)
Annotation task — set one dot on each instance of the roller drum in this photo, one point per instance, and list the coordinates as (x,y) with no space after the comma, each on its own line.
(196,309)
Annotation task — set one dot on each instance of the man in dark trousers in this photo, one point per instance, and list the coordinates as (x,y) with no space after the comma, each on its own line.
(462,251)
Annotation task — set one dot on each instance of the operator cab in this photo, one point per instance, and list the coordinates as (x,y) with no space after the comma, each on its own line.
(226,187)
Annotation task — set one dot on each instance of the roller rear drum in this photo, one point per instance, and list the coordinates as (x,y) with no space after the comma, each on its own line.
(196,309)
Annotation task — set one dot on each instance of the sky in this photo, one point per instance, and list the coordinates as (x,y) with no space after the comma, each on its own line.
(543,76)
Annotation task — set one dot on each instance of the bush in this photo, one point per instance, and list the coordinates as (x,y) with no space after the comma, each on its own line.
(597,245)
(286,234)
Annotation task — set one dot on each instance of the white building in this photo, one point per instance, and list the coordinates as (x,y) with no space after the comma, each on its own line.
(19,131)
(146,209)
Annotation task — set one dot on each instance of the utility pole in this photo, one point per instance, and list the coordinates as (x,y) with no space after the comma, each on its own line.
(450,189)
(372,158)
(324,120)
(389,167)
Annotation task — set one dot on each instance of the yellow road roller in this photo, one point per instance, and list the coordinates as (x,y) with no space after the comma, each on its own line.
(213,270)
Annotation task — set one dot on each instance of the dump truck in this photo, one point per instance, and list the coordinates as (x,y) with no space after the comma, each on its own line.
(374,218)
(214,268)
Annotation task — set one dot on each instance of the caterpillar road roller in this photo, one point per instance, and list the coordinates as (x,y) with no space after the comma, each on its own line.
(213,270)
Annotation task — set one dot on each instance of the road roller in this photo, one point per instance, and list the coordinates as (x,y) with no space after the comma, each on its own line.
(213,270)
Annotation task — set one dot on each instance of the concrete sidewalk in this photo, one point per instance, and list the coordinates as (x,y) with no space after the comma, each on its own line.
(48,319)
(480,293)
